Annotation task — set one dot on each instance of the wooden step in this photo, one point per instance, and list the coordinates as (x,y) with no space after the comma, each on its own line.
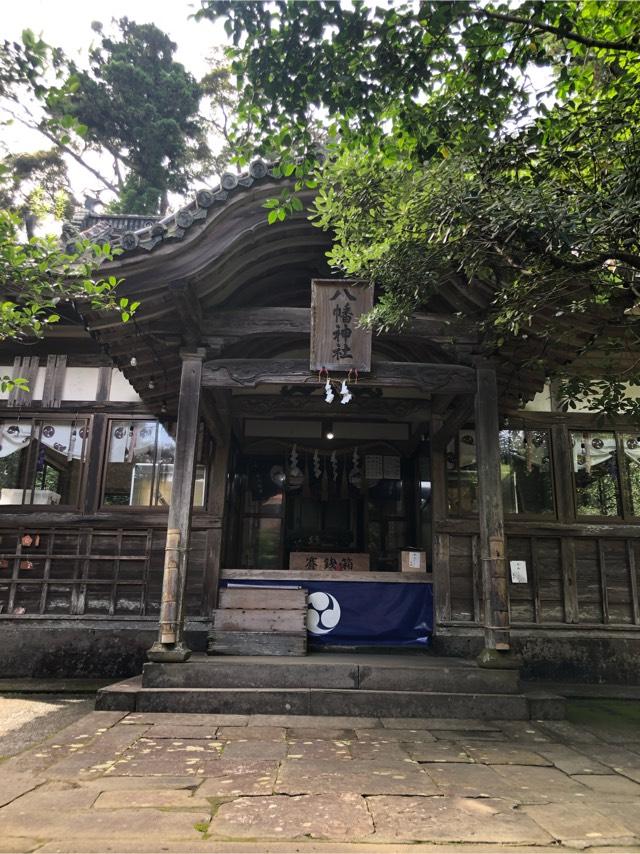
(267,620)
(265,598)
(259,621)
(222,642)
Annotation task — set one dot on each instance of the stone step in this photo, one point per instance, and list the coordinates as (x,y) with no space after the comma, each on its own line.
(131,696)
(419,675)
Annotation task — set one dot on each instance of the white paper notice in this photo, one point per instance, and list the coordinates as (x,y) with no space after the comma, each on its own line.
(373,466)
(518,571)
(414,560)
(391,468)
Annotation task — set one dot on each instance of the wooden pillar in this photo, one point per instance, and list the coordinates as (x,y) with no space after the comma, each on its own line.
(218,503)
(170,645)
(492,540)
(440,558)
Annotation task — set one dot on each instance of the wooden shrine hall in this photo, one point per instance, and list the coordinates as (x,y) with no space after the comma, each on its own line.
(244,470)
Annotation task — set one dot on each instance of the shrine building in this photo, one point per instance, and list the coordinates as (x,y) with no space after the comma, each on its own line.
(243,470)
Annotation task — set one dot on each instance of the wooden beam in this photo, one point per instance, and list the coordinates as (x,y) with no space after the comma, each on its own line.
(105,375)
(95,455)
(230,325)
(26,368)
(53,381)
(218,507)
(186,302)
(216,410)
(309,402)
(441,540)
(457,419)
(249,373)
(492,541)
(170,645)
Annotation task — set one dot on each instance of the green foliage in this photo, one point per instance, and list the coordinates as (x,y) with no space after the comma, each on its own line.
(8,384)
(35,184)
(411,78)
(605,395)
(40,281)
(443,159)
(25,63)
(140,106)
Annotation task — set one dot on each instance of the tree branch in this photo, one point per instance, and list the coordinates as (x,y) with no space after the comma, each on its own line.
(588,41)
(67,150)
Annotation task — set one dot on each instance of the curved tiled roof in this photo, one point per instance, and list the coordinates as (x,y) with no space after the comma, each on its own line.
(153,231)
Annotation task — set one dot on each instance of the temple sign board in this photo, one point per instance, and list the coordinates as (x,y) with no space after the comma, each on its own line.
(338,343)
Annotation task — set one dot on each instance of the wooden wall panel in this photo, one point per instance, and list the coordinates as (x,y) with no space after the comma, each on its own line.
(522,597)
(84,570)
(549,569)
(617,581)
(588,581)
(461,579)
(195,596)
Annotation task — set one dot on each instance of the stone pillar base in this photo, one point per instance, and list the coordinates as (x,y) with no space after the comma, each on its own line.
(497,660)
(175,652)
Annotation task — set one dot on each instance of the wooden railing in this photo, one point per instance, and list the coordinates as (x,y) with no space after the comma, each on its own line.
(93,571)
(578,576)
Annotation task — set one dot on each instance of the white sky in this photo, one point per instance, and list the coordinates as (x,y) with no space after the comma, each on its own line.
(67,24)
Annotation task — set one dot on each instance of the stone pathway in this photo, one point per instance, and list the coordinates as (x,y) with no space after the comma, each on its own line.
(117,782)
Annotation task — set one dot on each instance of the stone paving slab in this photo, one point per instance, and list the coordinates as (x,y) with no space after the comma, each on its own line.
(240,777)
(565,731)
(313,749)
(541,785)
(18,845)
(151,798)
(389,735)
(379,751)
(298,777)
(300,733)
(182,757)
(255,749)
(126,826)
(570,760)
(611,755)
(631,773)
(324,721)
(13,785)
(64,743)
(627,814)
(470,735)
(524,732)
(252,733)
(98,755)
(441,751)
(184,719)
(308,846)
(468,781)
(610,784)
(431,724)
(174,731)
(489,753)
(453,785)
(453,820)
(132,784)
(332,816)
(582,825)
